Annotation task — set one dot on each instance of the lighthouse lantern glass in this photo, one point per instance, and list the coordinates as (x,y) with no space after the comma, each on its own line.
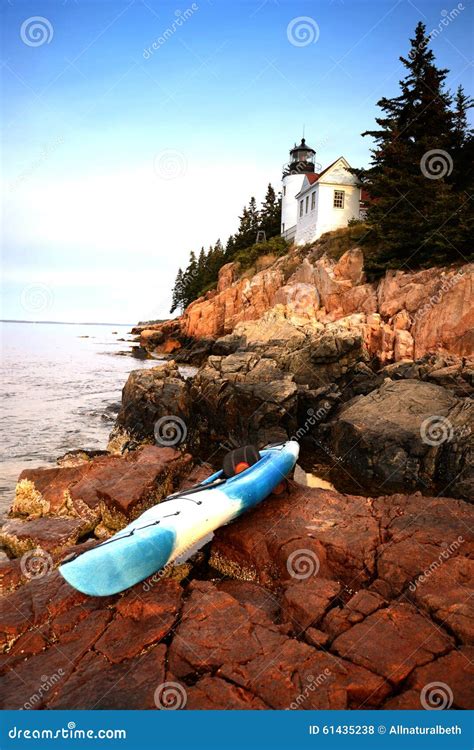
(304,154)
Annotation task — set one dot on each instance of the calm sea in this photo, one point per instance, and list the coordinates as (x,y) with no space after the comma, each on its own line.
(61,388)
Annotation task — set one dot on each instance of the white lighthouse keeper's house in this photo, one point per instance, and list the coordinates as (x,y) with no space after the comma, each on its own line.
(314,203)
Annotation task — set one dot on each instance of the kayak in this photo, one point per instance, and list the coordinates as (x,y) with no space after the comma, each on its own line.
(168,530)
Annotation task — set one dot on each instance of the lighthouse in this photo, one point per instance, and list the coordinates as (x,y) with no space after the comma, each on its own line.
(301,163)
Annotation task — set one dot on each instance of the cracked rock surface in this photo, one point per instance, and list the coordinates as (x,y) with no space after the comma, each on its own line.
(314,600)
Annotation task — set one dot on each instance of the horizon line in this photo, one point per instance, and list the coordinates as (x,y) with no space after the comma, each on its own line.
(64,322)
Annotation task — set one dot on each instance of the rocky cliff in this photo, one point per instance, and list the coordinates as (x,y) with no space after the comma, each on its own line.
(374,378)
(405,315)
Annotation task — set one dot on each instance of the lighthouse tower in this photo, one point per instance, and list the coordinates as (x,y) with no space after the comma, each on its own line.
(301,163)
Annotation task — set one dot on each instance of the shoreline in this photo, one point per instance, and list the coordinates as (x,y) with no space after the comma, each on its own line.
(363,582)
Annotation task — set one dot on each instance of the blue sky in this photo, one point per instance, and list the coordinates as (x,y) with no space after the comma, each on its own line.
(118,161)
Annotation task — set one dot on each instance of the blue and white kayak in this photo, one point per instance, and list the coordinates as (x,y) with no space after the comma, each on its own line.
(170,529)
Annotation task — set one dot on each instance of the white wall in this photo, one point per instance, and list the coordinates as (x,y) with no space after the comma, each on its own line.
(332,218)
(306,227)
(293,184)
(325,218)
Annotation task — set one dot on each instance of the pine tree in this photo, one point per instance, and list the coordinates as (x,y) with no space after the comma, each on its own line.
(177,295)
(248,227)
(270,214)
(229,249)
(463,140)
(414,207)
(190,280)
(215,260)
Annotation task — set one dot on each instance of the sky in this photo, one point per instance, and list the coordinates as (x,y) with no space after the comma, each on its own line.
(125,147)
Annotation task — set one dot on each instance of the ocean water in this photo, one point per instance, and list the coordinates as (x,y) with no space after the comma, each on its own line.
(60,390)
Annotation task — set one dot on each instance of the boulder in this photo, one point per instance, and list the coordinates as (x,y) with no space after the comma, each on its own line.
(51,535)
(124,486)
(158,393)
(404,345)
(150,338)
(54,508)
(406,433)
(241,398)
(38,679)
(319,534)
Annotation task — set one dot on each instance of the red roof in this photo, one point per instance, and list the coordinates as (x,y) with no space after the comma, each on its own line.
(312,177)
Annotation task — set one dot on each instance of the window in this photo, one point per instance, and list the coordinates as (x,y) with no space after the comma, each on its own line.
(284,189)
(339,198)
(301,208)
(282,228)
(307,204)
(313,200)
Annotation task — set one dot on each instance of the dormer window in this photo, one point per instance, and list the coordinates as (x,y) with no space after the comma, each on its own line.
(339,198)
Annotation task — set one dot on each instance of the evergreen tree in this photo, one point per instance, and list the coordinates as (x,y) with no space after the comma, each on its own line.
(229,249)
(270,214)
(201,272)
(215,260)
(463,142)
(190,280)
(248,227)
(177,295)
(414,207)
